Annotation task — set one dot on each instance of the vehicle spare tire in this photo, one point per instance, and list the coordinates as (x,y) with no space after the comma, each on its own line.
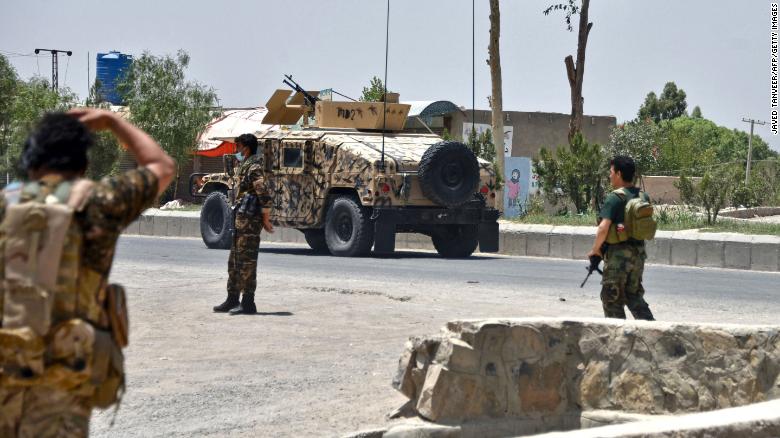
(216,221)
(449,173)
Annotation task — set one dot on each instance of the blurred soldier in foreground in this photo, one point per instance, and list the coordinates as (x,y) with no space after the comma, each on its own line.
(252,213)
(63,326)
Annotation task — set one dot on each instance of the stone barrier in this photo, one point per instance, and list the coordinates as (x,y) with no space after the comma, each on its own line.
(683,248)
(519,377)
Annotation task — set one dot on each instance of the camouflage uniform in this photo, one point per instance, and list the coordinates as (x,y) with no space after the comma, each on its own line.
(37,411)
(624,264)
(253,198)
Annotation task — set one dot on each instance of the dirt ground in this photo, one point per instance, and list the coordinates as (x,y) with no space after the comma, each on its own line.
(320,357)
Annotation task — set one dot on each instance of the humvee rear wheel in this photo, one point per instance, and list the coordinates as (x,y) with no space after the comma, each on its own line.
(348,228)
(316,240)
(216,221)
(449,173)
(455,241)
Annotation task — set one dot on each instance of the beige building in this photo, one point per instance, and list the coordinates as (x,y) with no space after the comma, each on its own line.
(528,131)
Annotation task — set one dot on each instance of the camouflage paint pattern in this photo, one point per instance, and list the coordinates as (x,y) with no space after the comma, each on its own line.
(344,161)
(621,284)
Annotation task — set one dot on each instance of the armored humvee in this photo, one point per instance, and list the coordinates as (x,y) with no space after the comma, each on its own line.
(349,188)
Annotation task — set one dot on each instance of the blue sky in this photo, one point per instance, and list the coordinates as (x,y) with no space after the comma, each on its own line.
(717,51)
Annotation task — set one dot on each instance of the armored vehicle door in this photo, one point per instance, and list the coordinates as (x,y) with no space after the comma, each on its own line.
(295,194)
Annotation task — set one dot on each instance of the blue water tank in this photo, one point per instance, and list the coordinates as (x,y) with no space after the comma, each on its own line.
(111,67)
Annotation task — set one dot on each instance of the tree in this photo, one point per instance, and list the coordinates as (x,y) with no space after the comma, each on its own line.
(639,140)
(696,113)
(669,106)
(31,100)
(576,172)
(483,147)
(8,87)
(712,193)
(496,99)
(104,154)
(575,74)
(375,91)
(163,103)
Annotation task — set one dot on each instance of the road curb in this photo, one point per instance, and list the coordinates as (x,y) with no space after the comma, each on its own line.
(681,248)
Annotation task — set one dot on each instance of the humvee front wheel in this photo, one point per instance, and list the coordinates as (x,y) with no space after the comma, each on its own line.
(316,240)
(348,228)
(455,241)
(216,221)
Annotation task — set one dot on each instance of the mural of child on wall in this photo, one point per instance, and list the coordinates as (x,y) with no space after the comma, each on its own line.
(513,188)
(517,177)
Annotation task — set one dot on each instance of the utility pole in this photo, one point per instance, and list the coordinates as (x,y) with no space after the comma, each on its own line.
(750,146)
(55,69)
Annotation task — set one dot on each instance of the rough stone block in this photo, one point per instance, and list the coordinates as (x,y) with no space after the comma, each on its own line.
(709,253)
(538,244)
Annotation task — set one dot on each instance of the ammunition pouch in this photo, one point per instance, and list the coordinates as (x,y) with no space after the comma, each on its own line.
(74,356)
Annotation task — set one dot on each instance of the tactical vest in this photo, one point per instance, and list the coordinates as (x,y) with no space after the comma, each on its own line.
(61,325)
(638,222)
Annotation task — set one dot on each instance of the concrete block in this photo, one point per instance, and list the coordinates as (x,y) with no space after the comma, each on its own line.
(133,228)
(160,225)
(764,256)
(736,255)
(538,244)
(561,245)
(174,226)
(514,243)
(659,250)
(709,253)
(581,245)
(190,227)
(683,250)
(146,225)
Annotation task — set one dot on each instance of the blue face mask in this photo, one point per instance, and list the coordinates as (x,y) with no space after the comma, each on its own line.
(240,156)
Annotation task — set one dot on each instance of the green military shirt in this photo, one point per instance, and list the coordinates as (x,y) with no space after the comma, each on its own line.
(614,207)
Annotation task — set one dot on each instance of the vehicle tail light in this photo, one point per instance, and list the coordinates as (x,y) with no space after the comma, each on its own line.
(484,190)
(385,188)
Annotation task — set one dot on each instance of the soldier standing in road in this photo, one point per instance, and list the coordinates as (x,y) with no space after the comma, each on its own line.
(252,213)
(624,260)
(62,327)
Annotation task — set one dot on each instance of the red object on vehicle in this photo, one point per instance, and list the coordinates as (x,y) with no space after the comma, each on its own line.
(385,187)
(484,190)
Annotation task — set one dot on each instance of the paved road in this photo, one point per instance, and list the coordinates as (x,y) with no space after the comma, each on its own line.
(320,357)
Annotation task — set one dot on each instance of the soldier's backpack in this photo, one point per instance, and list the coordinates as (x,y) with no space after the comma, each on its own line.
(61,325)
(638,222)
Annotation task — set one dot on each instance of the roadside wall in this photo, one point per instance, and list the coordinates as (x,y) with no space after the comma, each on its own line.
(683,248)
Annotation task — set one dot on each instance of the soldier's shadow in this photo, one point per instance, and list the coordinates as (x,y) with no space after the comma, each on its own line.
(282,313)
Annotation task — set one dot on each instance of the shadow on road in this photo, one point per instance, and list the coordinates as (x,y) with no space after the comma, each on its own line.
(396,255)
(284,313)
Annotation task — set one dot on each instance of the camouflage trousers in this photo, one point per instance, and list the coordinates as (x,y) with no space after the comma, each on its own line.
(242,264)
(621,284)
(43,412)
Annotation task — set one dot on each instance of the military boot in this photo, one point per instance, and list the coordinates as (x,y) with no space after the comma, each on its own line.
(247,306)
(230,302)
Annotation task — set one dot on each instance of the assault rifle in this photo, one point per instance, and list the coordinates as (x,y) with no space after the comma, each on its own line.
(310,100)
(594,265)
